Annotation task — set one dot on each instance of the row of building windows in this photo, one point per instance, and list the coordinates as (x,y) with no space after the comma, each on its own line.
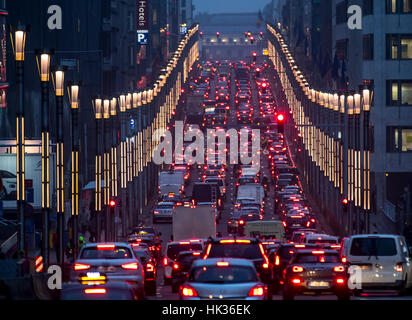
(392,7)
(398,47)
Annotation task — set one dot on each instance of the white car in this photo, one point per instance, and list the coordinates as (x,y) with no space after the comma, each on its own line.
(9,189)
(383,262)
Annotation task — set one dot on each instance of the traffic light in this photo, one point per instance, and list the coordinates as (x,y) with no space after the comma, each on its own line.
(264,87)
(345,204)
(252,39)
(112,203)
(281,121)
(254,54)
(245,35)
(257,72)
(201,34)
(217,34)
(261,34)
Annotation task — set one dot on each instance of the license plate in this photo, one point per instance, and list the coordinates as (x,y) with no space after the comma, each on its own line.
(319,284)
(364,267)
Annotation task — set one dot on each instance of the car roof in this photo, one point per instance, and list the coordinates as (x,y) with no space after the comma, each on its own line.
(213,261)
(166,203)
(323,236)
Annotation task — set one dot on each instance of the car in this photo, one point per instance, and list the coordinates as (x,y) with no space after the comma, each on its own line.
(316,271)
(181,267)
(163,211)
(173,248)
(112,290)
(150,270)
(243,248)
(117,260)
(223,278)
(383,259)
(220,182)
(8,191)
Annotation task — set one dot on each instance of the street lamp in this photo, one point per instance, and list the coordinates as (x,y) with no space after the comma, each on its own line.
(106,167)
(43,65)
(58,82)
(114,193)
(73,94)
(123,160)
(18,44)
(98,112)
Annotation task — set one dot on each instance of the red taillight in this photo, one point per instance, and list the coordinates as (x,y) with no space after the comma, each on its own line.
(339,269)
(105,247)
(340,281)
(277,261)
(176,266)
(257,291)
(318,252)
(165,261)
(284,224)
(399,267)
(95,291)
(222,264)
(209,247)
(130,266)
(188,291)
(297,269)
(80,266)
(241,222)
(344,260)
(296,281)
(149,267)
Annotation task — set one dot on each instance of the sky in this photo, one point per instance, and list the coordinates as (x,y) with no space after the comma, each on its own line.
(232,6)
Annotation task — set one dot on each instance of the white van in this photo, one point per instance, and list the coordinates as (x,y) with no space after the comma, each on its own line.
(383,260)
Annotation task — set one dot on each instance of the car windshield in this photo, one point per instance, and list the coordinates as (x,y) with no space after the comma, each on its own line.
(317,258)
(373,247)
(223,275)
(173,250)
(219,182)
(6,175)
(164,206)
(320,241)
(238,250)
(285,252)
(97,253)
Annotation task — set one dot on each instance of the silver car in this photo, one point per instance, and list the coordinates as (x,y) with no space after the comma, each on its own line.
(164,211)
(116,260)
(223,278)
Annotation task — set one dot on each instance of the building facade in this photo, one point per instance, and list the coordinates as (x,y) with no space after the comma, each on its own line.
(380,56)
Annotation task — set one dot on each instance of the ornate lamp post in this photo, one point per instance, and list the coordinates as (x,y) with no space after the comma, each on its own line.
(18,44)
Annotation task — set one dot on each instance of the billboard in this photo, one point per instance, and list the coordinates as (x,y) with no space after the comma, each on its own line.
(142,22)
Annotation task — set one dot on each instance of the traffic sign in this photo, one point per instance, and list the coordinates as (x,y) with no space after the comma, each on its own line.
(39,263)
(143,37)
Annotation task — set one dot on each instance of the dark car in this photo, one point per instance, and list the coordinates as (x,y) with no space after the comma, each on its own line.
(149,264)
(244,248)
(181,267)
(316,271)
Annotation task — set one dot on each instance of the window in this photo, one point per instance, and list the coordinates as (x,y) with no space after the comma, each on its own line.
(367,7)
(399,139)
(342,48)
(398,6)
(183,3)
(399,46)
(399,92)
(130,21)
(368,47)
(372,246)
(342,12)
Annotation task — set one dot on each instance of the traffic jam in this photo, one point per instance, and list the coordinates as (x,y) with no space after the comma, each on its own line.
(222,229)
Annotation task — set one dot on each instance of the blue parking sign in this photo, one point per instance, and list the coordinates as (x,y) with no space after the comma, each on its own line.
(143,37)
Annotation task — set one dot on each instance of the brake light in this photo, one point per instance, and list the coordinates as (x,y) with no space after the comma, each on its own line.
(297,269)
(222,264)
(105,247)
(242,241)
(335,246)
(95,291)
(209,247)
(227,241)
(188,291)
(318,252)
(399,267)
(241,222)
(130,266)
(184,242)
(344,260)
(257,291)
(80,266)
(165,261)
(156,212)
(296,281)
(284,223)
(339,269)
(340,281)
(149,267)
(265,266)
(176,266)
(300,246)
(277,260)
